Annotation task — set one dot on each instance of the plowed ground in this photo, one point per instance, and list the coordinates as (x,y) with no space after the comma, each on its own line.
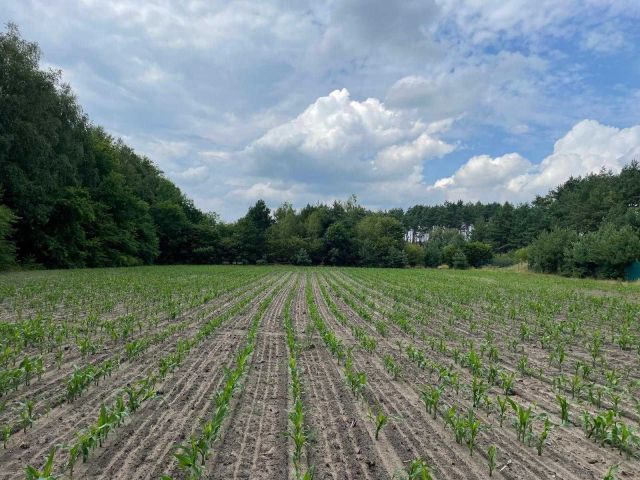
(254,442)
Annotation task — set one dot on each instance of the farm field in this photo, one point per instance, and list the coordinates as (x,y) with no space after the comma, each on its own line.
(279,372)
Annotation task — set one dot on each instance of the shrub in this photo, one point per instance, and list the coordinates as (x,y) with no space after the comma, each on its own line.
(605,253)
(302,257)
(502,260)
(395,258)
(414,254)
(546,253)
(432,255)
(477,253)
(459,260)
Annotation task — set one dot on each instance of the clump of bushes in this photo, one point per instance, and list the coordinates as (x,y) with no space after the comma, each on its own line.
(603,253)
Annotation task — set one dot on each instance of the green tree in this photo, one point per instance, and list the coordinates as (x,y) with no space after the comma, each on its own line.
(395,258)
(338,238)
(605,253)
(302,257)
(415,254)
(251,232)
(432,255)
(546,253)
(284,236)
(375,235)
(477,253)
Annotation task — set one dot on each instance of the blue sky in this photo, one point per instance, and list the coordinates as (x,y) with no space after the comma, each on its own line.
(398,102)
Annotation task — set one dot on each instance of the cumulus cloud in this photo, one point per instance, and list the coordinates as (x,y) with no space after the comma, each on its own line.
(338,139)
(587,148)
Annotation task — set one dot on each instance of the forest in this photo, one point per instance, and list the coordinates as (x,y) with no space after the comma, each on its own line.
(72,196)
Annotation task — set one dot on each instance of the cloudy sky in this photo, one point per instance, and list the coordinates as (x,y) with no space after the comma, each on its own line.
(398,102)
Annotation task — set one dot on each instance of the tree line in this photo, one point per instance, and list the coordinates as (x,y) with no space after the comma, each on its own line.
(73,196)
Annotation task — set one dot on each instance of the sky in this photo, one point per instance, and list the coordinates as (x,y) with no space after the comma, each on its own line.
(398,102)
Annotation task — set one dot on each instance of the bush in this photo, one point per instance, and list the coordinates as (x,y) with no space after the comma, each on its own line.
(521,255)
(302,258)
(605,253)
(395,258)
(546,253)
(459,260)
(432,255)
(503,260)
(448,252)
(414,253)
(477,253)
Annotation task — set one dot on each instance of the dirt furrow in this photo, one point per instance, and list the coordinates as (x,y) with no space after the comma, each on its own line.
(340,446)
(254,445)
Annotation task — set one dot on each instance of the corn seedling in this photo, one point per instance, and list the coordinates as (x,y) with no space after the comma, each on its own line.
(564,409)
(611,473)
(491,458)
(478,390)
(26,414)
(473,427)
(391,366)
(502,407)
(187,455)
(524,419)
(418,470)
(542,437)
(380,420)
(46,473)
(506,382)
(6,434)
(431,397)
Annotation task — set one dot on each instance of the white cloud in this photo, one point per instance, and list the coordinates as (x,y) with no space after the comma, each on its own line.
(194,174)
(340,139)
(502,89)
(485,21)
(606,39)
(587,148)
(396,160)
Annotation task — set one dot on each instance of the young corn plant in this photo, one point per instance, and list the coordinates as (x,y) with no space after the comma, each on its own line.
(188,455)
(503,404)
(46,473)
(6,435)
(418,470)
(491,458)
(472,427)
(357,382)
(26,414)
(380,420)
(564,409)
(506,382)
(431,397)
(542,437)
(298,432)
(611,473)
(524,420)
(391,366)
(478,390)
